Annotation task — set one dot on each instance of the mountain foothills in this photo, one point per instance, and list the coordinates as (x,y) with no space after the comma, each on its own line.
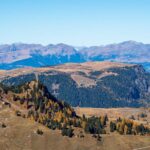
(90,84)
(36,55)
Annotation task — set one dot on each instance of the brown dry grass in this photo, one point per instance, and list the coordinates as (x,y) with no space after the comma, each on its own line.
(20,134)
(114,113)
(68,68)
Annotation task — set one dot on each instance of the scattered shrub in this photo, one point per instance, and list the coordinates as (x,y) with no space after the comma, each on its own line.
(67,132)
(18,113)
(143,115)
(3,125)
(40,132)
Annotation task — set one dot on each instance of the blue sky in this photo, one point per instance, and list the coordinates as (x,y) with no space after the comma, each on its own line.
(74,22)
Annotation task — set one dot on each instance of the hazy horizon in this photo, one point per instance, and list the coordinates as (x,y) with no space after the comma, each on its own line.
(73,45)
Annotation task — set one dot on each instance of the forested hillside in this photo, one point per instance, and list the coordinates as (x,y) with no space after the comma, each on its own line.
(92,84)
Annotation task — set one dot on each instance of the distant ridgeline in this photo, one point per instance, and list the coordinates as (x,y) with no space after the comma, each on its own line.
(35,55)
(37,104)
(127,86)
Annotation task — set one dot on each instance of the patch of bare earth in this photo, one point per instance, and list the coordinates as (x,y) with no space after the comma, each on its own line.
(83,81)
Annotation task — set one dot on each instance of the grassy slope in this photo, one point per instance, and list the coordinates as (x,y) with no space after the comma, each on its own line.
(20,135)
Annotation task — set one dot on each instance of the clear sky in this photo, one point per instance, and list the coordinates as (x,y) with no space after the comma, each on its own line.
(74,22)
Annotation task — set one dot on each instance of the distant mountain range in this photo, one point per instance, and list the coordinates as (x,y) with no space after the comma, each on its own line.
(36,55)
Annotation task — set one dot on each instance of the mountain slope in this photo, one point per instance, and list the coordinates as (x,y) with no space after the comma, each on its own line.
(91,84)
(35,97)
